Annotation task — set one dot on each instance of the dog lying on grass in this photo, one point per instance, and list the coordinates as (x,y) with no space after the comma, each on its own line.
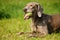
(42,24)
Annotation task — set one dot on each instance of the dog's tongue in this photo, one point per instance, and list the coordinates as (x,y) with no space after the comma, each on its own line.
(26,17)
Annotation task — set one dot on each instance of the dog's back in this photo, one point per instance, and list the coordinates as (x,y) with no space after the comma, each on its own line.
(55,22)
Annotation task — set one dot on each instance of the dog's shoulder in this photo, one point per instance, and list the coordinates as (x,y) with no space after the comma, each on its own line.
(46,17)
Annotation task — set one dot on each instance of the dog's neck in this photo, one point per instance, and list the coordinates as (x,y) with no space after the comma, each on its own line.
(35,17)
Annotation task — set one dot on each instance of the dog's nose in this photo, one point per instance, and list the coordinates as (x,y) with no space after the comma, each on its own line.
(25,9)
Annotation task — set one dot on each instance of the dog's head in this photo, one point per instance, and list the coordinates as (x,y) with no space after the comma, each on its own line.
(31,9)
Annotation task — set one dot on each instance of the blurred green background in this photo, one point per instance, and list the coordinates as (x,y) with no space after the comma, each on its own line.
(12,22)
(14,8)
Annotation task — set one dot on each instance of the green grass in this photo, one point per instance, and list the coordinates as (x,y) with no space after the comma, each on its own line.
(10,27)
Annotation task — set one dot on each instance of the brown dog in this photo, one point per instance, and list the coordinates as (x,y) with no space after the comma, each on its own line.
(42,24)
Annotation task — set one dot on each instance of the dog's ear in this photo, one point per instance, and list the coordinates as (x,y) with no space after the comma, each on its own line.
(39,10)
(39,14)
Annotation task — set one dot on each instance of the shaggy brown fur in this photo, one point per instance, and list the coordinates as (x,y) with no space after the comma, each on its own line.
(42,24)
(55,22)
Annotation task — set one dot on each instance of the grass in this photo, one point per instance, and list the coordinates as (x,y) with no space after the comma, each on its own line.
(10,27)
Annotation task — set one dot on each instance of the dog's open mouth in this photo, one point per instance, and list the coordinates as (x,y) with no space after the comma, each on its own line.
(27,16)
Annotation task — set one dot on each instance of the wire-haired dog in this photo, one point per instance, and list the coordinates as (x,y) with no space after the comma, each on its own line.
(42,24)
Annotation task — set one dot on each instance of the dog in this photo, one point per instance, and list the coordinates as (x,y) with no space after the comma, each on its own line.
(42,24)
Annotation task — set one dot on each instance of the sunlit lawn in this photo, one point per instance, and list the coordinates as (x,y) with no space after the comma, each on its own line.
(11,26)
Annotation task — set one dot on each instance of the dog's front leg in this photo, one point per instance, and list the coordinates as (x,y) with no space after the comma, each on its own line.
(32,33)
(33,30)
